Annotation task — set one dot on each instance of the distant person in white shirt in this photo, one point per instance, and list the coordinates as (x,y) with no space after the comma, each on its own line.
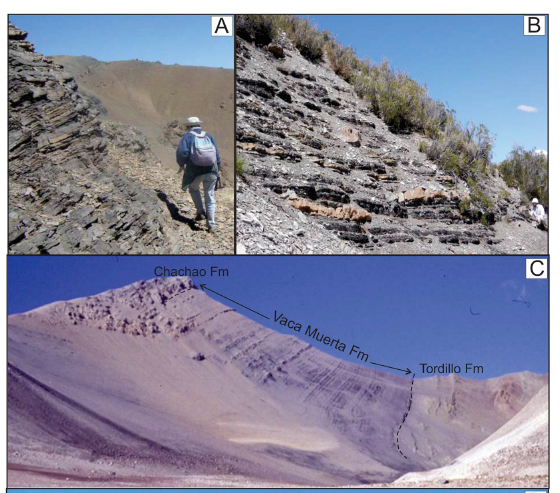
(538,215)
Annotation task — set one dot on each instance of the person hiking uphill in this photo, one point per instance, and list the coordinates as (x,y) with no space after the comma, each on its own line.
(198,155)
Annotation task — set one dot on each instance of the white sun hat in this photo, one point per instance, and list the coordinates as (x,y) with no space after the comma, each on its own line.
(194,121)
(535,200)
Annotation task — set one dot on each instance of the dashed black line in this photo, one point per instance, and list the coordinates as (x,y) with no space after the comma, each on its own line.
(404,417)
(176,294)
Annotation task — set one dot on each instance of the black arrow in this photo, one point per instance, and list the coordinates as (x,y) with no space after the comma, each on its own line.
(407,371)
(203,287)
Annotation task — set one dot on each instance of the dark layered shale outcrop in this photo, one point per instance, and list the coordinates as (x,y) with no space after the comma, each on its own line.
(323,174)
(64,195)
(79,184)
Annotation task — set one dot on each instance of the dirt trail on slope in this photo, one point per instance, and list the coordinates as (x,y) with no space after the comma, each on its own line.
(184,234)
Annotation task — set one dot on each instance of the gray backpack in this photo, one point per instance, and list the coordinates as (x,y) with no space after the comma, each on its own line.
(203,151)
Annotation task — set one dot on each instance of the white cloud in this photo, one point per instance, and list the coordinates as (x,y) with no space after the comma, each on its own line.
(541,152)
(514,288)
(527,109)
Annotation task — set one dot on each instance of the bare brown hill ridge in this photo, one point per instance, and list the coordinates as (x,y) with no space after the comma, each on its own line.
(323,174)
(79,183)
(158,384)
(156,98)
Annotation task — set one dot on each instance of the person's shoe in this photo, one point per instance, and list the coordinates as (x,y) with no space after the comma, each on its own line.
(212,229)
(200,216)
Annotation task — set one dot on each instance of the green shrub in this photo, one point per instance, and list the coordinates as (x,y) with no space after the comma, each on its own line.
(260,29)
(504,194)
(423,146)
(478,206)
(465,151)
(464,205)
(264,29)
(480,200)
(304,35)
(240,165)
(343,60)
(527,170)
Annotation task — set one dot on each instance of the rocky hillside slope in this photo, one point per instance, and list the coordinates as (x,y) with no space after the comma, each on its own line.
(190,387)
(323,174)
(77,186)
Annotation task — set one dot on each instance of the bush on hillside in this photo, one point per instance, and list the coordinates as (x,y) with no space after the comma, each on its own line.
(465,151)
(343,59)
(260,29)
(239,166)
(305,36)
(528,171)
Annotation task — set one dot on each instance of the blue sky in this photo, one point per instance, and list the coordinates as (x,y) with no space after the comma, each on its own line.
(483,66)
(169,39)
(402,311)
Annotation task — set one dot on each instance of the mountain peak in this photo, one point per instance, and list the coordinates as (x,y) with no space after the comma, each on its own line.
(163,360)
(163,286)
(160,305)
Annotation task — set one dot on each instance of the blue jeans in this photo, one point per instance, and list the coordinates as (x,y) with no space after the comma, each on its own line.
(208,181)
